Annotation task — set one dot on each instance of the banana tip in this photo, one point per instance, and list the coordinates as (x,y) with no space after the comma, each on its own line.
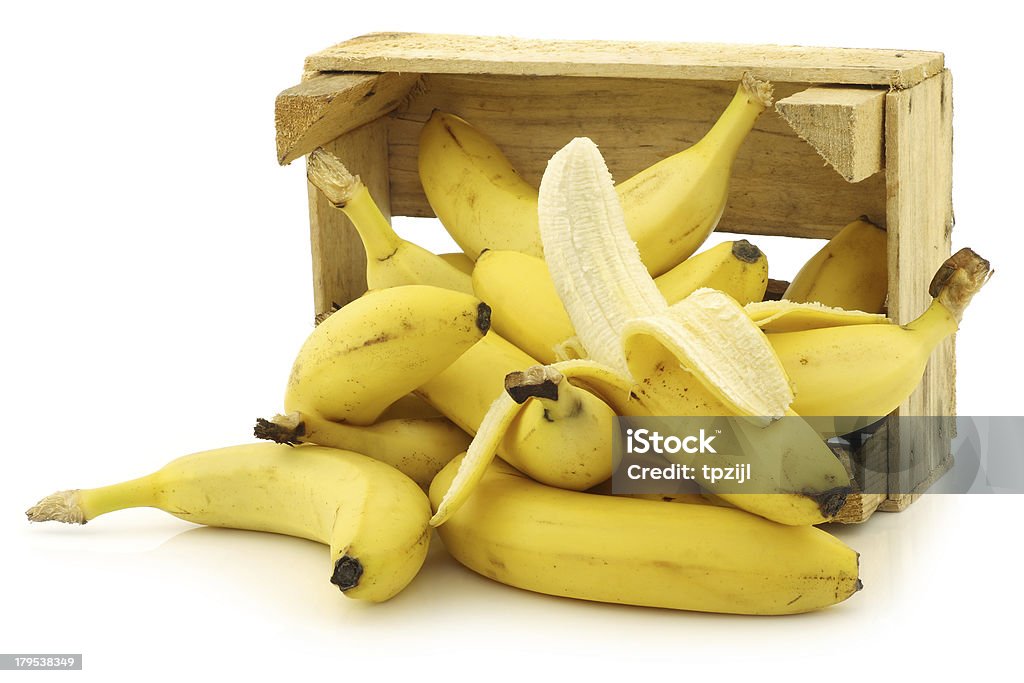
(483,317)
(347,572)
(57,507)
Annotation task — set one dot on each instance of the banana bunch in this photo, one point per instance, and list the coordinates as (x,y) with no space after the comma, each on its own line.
(696,341)
(420,406)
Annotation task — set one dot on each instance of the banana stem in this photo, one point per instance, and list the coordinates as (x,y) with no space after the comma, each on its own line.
(379,239)
(78,506)
(724,139)
(348,193)
(958,279)
(547,385)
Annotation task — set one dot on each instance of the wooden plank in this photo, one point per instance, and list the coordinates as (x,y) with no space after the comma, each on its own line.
(339,261)
(858,507)
(919,135)
(459,54)
(780,185)
(845,126)
(865,456)
(328,105)
(900,502)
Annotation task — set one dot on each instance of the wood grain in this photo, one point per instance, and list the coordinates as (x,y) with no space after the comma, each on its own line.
(325,106)
(459,54)
(845,125)
(919,135)
(779,186)
(339,261)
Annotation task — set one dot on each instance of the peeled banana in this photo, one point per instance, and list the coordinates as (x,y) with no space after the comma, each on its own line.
(526,309)
(372,516)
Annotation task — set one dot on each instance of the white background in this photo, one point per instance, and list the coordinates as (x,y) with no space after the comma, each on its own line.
(156,284)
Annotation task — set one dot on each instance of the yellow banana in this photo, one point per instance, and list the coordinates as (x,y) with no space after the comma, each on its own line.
(378,348)
(372,516)
(417,446)
(640,552)
(460,261)
(555,432)
(738,269)
(868,370)
(526,309)
(670,208)
(390,260)
(850,272)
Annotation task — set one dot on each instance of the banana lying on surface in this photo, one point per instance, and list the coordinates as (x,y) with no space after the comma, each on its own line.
(372,516)
(390,260)
(850,271)
(641,552)
(868,370)
(380,347)
(417,446)
(670,207)
(526,309)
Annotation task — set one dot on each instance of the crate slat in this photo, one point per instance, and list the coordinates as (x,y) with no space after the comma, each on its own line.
(845,125)
(919,173)
(325,106)
(454,54)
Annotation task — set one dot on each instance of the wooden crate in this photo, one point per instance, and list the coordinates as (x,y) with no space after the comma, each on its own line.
(856,132)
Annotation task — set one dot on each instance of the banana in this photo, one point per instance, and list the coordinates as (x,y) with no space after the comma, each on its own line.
(409,406)
(474,190)
(868,370)
(526,309)
(670,207)
(539,422)
(378,348)
(738,269)
(417,447)
(460,261)
(390,260)
(372,516)
(703,356)
(850,271)
(641,552)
